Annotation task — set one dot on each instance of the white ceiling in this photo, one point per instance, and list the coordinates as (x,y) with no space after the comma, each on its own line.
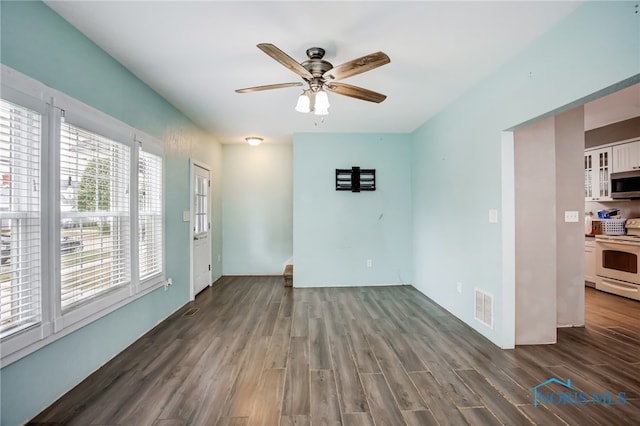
(196,53)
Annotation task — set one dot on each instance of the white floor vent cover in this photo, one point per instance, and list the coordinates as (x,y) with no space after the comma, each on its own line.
(483,307)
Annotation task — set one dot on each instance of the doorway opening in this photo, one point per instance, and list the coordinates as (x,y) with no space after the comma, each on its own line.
(547,181)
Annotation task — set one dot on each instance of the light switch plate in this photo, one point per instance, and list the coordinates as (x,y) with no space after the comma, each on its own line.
(493,216)
(186,216)
(571,216)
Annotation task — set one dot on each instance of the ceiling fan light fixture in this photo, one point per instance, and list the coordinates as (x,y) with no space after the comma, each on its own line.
(253,140)
(322,101)
(304,103)
(319,74)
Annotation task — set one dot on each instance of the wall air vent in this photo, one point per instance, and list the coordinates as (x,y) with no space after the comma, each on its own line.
(483,307)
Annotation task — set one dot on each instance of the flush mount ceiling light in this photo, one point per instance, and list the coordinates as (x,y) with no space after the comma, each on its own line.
(320,76)
(253,140)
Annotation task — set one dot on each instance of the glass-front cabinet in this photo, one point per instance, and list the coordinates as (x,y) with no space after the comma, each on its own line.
(597,171)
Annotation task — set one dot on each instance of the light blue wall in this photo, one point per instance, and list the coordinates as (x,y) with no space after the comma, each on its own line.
(456,156)
(257,209)
(37,42)
(335,232)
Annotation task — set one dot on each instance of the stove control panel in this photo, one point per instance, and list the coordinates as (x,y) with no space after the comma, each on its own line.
(633,226)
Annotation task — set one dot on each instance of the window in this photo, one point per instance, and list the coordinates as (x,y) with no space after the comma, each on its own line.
(81,215)
(20,140)
(94,212)
(200,205)
(150,242)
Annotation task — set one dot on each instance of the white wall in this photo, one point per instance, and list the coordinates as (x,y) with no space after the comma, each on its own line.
(336,232)
(257,209)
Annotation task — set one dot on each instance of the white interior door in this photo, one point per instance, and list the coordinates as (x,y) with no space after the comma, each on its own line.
(201,225)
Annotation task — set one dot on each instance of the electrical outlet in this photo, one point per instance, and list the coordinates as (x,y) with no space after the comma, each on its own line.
(459,287)
(571,216)
(219,258)
(369,263)
(168,283)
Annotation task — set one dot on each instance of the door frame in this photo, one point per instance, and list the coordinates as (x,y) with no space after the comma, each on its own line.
(192,164)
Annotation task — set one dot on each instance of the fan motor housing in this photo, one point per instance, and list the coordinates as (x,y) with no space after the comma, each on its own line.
(316,65)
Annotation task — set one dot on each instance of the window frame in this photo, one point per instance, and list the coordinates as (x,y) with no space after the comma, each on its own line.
(53,105)
(152,146)
(14,341)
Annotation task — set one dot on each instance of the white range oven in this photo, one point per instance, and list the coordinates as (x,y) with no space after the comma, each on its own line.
(618,262)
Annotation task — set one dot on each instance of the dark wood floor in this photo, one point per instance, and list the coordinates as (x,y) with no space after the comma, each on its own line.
(250,352)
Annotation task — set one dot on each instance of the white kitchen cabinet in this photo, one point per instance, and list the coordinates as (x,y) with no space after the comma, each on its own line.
(590,261)
(625,157)
(597,171)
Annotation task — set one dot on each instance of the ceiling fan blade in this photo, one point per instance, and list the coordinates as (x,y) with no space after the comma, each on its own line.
(285,60)
(356,92)
(357,66)
(268,87)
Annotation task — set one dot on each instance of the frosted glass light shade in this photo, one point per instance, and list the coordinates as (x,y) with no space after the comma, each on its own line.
(322,101)
(253,141)
(303,104)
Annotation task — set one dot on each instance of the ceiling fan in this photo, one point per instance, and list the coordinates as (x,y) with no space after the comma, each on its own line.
(321,76)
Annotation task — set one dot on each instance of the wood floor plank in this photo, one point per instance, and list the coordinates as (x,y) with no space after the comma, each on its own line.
(230,364)
(410,361)
(401,385)
(320,353)
(213,400)
(362,352)
(364,357)
(480,416)
(239,401)
(383,407)
(296,391)
(506,412)
(300,324)
(333,319)
(357,419)
(189,396)
(266,407)
(540,415)
(269,321)
(442,408)
(278,351)
(286,306)
(350,390)
(511,390)
(325,405)
(419,418)
(295,421)
(233,421)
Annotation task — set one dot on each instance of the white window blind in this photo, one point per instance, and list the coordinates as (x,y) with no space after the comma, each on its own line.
(94,212)
(20,142)
(150,244)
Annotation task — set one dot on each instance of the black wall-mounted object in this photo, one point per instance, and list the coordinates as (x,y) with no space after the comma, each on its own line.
(355,179)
